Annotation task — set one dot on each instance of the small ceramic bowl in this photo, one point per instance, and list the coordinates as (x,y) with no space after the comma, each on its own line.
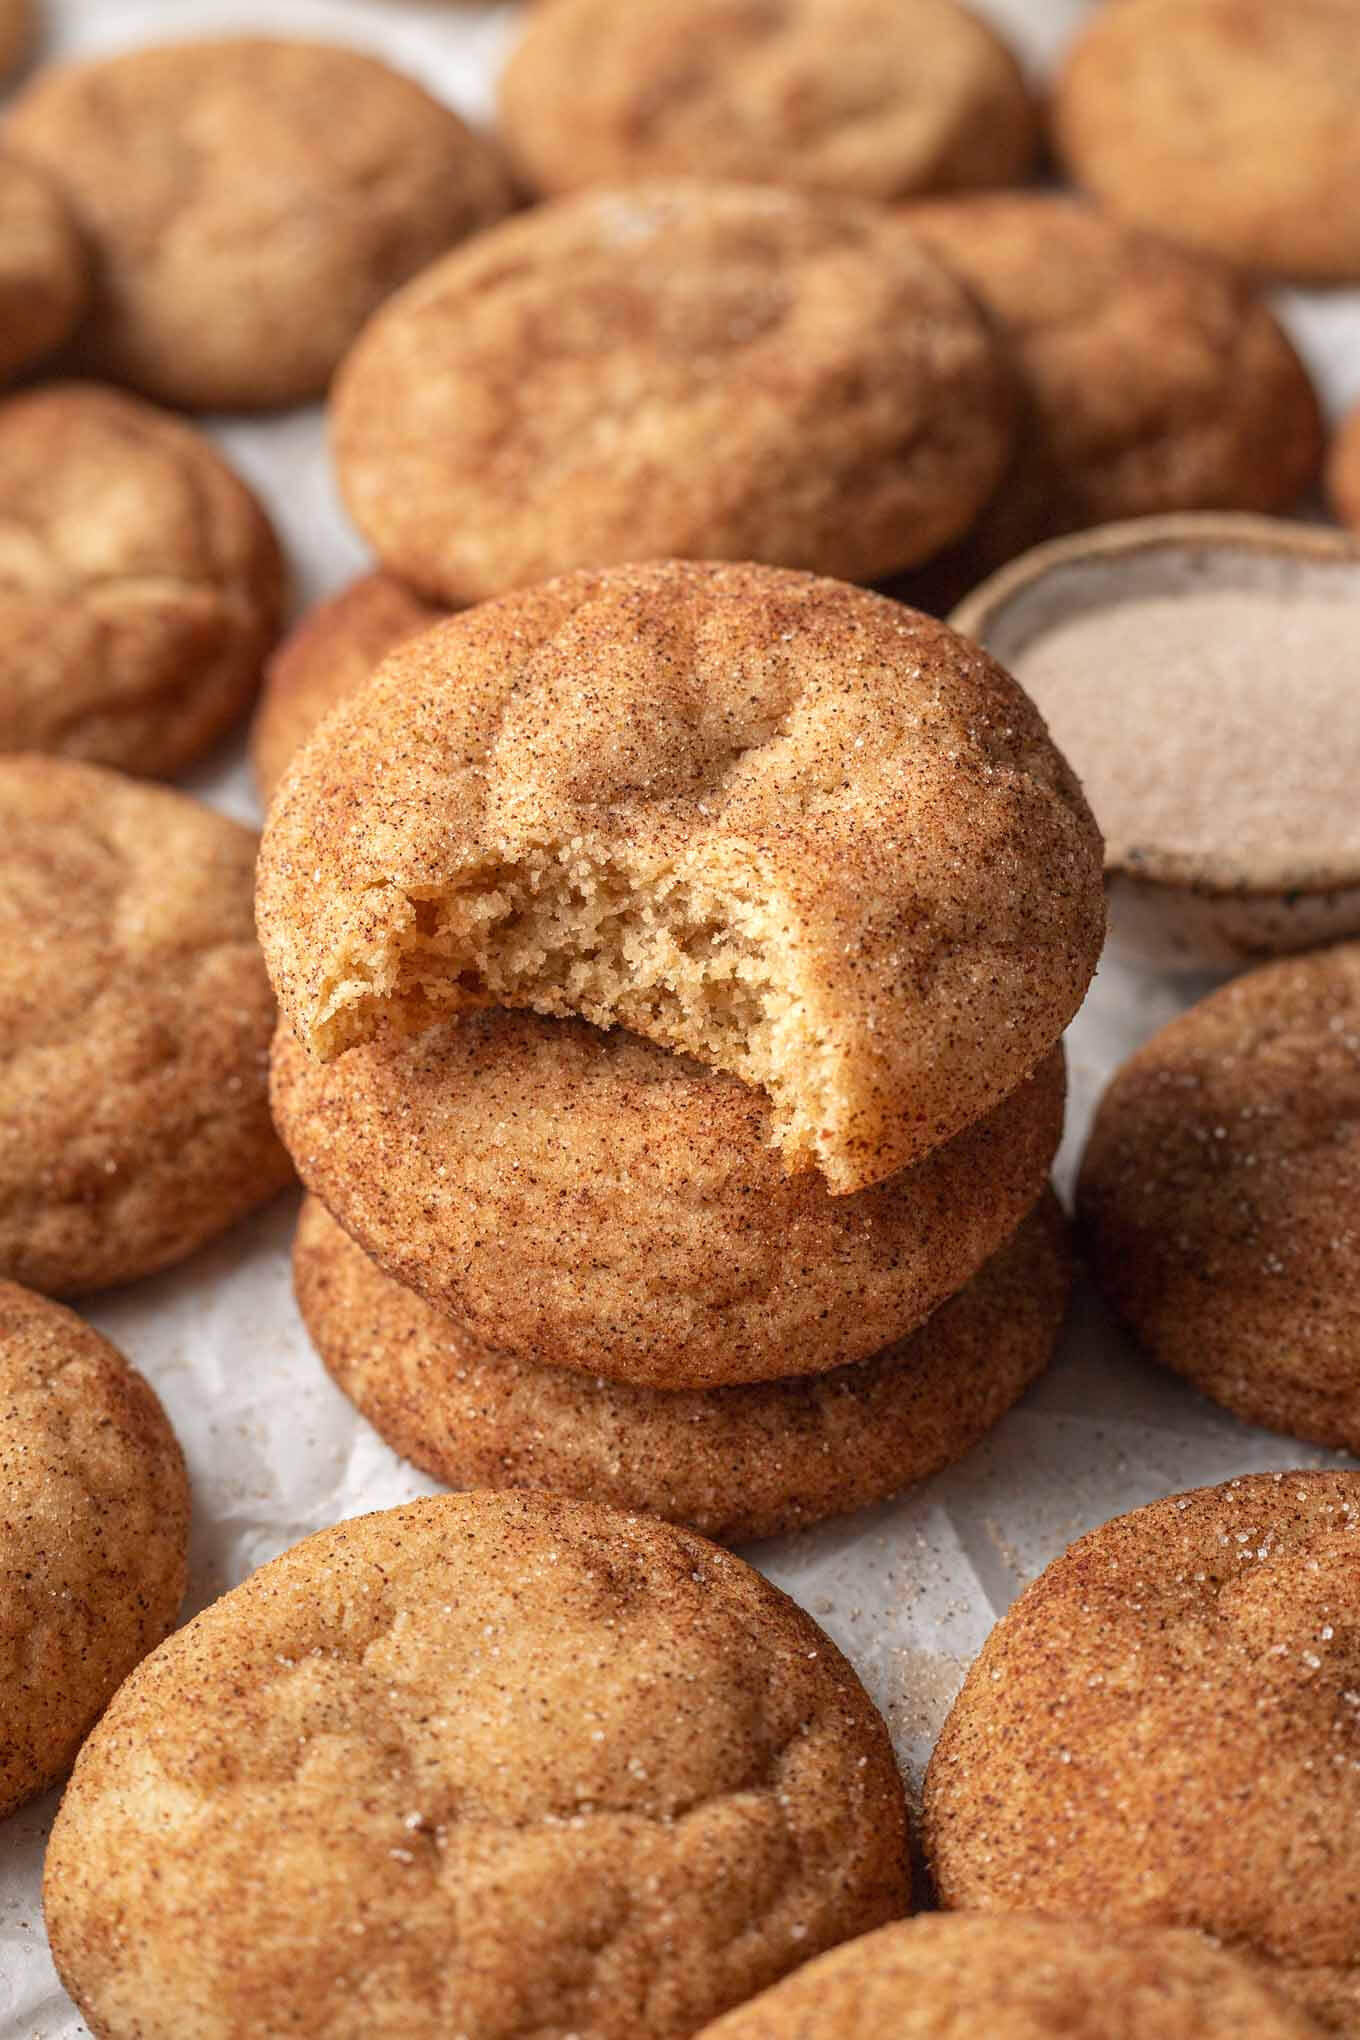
(1202,674)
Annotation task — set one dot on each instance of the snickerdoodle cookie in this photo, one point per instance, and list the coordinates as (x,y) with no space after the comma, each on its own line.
(781,824)
(1229,124)
(94,1526)
(43,280)
(1017,1976)
(1343,470)
(248,203)
(486,1765)
(1219,1194)
(134,1028)
(326,657)
(1165,1730)
(1150,378)
(713,371)
(141,583)
(878,98)
(734,1462)
(586,1200)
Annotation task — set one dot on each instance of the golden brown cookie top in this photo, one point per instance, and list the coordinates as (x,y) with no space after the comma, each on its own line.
(1152,379)
(954,1976)
(141,582)
(1229,124)
(43,274)
(250,201)
(134,1027)
(714,371)
(782,824)
(94,1524)
(1165,1730)
(493,1765)
(326,657)
(875,98)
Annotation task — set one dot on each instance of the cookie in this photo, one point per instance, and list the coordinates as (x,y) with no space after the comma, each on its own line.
(1217,1190)
(43,280)
(484,1765)
(735,1463)
(94,1528)
(586,1200)
(1196,671)
(135,1018)
(17,28)
(781,824)
(873,98)
(718,372)
(1151,379)
(141,583)
(248,203)
(1019,1977)
(326,657)
(1164,1731)
(1228,124)
(1343,470)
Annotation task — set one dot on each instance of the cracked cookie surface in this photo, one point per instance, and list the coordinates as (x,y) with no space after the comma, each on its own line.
(714,371)
(94,1525)
(501,1766)
(1165,1731)
(43,279)
(249,202)
(135,1018)
(778,823)
(141,583)
(875,98)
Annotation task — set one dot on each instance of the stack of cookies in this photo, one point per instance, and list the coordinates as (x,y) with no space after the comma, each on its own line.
(673,961)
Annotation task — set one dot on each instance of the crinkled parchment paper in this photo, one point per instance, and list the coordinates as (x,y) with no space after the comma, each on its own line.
(908,1590)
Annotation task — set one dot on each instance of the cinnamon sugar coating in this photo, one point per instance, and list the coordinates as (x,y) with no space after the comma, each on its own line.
(487,1765)
(43,280)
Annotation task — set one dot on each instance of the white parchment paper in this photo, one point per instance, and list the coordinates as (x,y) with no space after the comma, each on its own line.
(908,1590)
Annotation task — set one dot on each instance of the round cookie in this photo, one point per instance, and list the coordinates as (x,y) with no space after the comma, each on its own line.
(325,658)
(713,371)
(1229,124)
(43,280)
(1164,1731)
(1151,379)
(1216,1194)
(1343,470)
(483,1765)
(873,98)
(954,1976)
(135,1018)
(735,1463)
(248,203)
(141,583)
(94,1529)
(781,824)
(589,1201)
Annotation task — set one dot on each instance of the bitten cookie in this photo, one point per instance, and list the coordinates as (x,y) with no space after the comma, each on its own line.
(1229,124)
(955,1976)
(1150,378)
(735,1463)
(134,1028)
(327,657)
(714,371)
(248,203)
(1218,1189)
(43,281)
(877,98)
(781,824)
(1164,1730)
(141,583)
(585,1200)
(94,1526)
(484,1765)
(1343,470)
